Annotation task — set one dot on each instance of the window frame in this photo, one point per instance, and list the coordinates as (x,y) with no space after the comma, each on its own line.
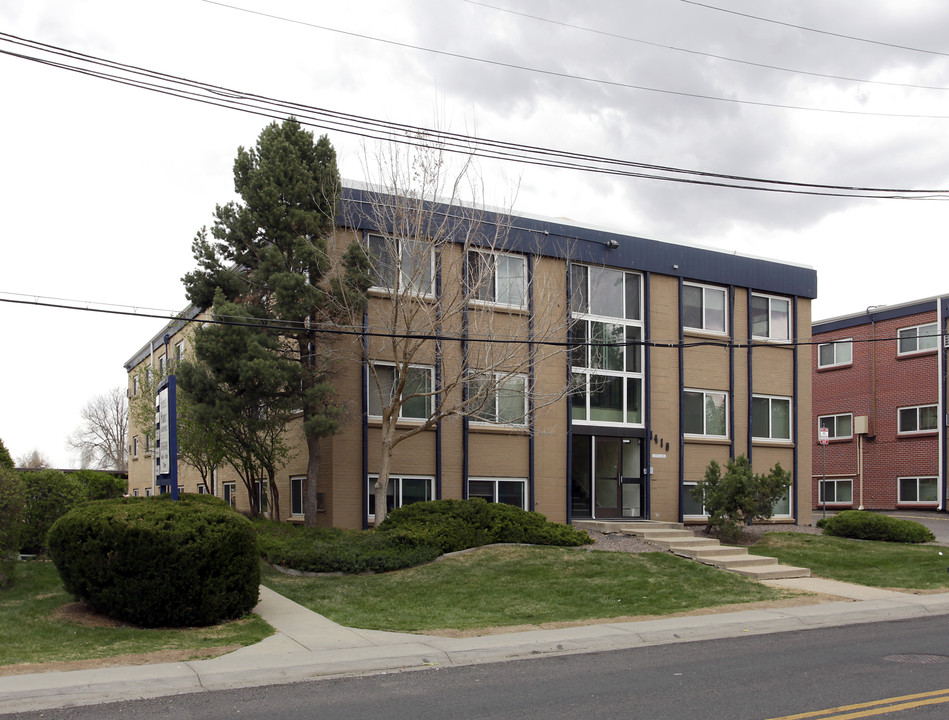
(498,379)
(492,264)
(832,431)
(395,480)
(372,387)
(229,493)
(300,511)
(495,481)
(836,362)
(771,337)
(688,498)
(925,431)
(932,333)
(705,289)
(705,396)
(403,283)
(770,437)
(135,444)
(917,479)
(821,491)
(179,351)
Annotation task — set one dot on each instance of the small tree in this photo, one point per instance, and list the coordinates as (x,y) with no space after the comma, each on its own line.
(33,460)
(739,496)
(100,439)
(6,461)
(11,520)
(49,494)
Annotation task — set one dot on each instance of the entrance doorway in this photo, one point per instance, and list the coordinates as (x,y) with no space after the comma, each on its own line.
(607,477)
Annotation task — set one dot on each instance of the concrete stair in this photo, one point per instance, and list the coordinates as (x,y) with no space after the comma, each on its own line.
(709,551)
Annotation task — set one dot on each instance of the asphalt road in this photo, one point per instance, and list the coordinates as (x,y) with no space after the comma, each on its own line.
(747,678)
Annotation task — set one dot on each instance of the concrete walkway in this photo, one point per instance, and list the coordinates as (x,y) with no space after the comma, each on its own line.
(308,646)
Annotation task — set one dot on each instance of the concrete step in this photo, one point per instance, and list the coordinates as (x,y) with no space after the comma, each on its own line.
(738,561)
(772,572)
(650,533)
(618,526)
(684,543)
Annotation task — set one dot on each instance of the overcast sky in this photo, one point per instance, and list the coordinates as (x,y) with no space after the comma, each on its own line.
(103,186)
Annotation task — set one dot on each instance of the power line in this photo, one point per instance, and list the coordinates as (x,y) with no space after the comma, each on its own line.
(714,56)
(815,30)
(370,128)
(570,76)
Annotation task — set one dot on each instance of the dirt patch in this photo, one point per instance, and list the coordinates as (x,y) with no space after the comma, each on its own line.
(159,656)
(82,614)
(797,601)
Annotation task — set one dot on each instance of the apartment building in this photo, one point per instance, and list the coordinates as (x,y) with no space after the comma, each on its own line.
(628,364)
(880,398)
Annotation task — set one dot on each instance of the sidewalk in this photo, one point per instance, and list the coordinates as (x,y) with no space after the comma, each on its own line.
(308,646)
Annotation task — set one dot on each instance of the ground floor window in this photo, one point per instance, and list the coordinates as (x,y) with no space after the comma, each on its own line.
(148,492)
(230,492)
(499,490)
(782,508)
(202,490)
(297,495)
(836,491)
(402,490)
(918,489)
(260,487)
(135,492)
(691,508)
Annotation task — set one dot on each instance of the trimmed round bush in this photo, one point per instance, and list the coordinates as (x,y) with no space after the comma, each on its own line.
(49,494)
(864,525)
(155,562)
(452,525)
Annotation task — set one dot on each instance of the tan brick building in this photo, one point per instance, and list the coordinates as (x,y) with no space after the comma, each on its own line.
(637,363)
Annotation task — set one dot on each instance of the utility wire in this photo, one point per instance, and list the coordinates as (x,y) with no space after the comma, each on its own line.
(375,129)
(700,53)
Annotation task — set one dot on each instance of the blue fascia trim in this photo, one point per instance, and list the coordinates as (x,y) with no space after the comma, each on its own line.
(600,247)
(865,318)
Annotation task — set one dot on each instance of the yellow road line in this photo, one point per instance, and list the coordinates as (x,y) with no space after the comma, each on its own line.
(876,707)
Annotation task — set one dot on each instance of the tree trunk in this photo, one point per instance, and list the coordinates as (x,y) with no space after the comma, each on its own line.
(382,483)
(312,473)
(274,496)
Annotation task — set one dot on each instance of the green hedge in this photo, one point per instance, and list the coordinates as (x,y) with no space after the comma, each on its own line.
(50,494)
(452,525)
(336,550)
(864,525)
(11,522)
(154,562)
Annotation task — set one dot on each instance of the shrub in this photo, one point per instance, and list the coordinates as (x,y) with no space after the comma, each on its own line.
(49,494)
(101,485)
(336,550)
(154,562)
(11,522)
(452,525)
(864,525)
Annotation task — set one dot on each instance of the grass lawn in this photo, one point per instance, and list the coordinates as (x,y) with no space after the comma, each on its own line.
(519,585)
(32,630)
(866,562)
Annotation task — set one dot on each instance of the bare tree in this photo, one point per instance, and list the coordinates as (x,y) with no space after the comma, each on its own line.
(101,438)
(450,329)
(34,460)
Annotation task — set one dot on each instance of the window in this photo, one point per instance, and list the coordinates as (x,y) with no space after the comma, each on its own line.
(770,317)
(498,278)
(839,352)
(148,492)
(416,394)
(918,490)
(135,386)
(297,495)
(606,352)
(835,491)
(179,351)
(919,419)
(706,413)
(230,493)
(402,490)
(162,366)
(260,487)
(135,446)
(770,418)
(703,308)
(690,507)
(499,490)
(498,399)
(402,264)
(135,492)
(918,339)
(838,426)
(782,508)
(202,489)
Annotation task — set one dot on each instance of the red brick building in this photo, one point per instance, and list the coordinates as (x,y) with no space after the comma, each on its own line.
(880,394)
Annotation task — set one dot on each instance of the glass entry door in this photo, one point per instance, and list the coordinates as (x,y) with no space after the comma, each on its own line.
(617,474)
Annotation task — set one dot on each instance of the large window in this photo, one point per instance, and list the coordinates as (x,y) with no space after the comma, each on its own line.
(498,399)
(498,277)
(416,394)
(606,352)
(402,264)
(297,495)
(402,490)
(839,427)
(704,308)
(918,339)
(835,491)
(918,490)
(918,419)
(839,352)
(230,492)
(770,418)
(770,317)
(499,490)
(691,508)
(706,413)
